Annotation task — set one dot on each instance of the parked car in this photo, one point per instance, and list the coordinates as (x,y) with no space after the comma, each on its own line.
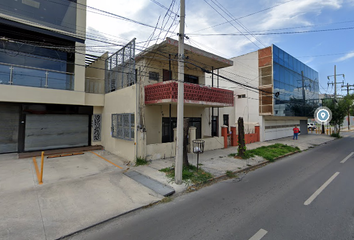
(311,126)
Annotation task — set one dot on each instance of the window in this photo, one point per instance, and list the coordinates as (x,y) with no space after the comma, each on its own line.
(123,126)
(191,79)
(241,96)
(154,76)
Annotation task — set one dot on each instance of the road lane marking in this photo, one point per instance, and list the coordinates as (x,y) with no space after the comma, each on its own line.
(313,196)
(345,159)
(106,160)
(259,235)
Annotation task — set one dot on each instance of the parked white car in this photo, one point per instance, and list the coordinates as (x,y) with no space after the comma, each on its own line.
(311,126)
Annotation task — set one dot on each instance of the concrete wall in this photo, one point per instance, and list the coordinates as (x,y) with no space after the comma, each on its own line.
(13,93)
(81,19)
(97,69)
(121,101)
(213,143)
(245,71)
(160,151)
(278,131)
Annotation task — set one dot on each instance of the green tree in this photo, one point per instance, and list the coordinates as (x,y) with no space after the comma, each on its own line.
(339,109)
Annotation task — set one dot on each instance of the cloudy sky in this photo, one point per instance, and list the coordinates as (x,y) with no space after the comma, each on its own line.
(318,32)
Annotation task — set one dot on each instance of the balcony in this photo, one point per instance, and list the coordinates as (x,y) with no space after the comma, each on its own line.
(94,85)
(194,94)
(11,74)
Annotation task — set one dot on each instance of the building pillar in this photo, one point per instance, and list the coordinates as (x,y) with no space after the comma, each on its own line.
(233,136)
(256,129)
(192,133)
(224,134)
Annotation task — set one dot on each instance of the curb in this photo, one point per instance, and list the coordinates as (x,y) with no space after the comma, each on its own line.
(107,220)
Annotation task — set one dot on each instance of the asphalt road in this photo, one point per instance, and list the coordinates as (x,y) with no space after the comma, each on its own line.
(309,195)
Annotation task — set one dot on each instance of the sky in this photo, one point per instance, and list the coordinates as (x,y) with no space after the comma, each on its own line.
(319,33)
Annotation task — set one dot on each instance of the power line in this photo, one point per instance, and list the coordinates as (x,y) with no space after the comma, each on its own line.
(245,35)
(271,33)
(263,10)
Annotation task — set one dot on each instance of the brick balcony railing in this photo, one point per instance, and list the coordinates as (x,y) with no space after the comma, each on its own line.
(166,92)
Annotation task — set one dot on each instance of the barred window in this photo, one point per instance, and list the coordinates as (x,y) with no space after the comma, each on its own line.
(153,75)
(123,126)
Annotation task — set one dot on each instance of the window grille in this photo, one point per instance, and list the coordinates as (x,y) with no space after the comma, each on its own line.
(123,126)
(96,124)
(154,76)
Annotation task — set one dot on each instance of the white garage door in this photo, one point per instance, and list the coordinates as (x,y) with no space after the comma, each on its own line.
(51,131)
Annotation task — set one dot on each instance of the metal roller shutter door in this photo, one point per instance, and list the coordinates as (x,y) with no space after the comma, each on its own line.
(50,131)
(9,124)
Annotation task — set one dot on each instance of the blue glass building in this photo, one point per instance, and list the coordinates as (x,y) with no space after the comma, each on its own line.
(296,83)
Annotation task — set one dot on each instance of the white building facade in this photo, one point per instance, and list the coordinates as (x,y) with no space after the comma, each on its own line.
(273,90)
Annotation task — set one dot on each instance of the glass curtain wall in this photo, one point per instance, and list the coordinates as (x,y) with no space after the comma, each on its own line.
(58,14)
(297,85)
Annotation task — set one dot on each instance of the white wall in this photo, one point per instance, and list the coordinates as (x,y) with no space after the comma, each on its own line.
(279,132)
(121,101)
(245,71)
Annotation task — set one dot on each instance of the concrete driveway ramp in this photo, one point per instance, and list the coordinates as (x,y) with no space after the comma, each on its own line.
(148,182)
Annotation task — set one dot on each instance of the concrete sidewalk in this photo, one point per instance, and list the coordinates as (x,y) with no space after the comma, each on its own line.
(83,190)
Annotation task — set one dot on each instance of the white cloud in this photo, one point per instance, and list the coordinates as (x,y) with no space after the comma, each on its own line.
(346,57)
(296,13)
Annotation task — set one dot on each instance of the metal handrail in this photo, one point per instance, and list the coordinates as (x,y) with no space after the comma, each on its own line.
(34,68)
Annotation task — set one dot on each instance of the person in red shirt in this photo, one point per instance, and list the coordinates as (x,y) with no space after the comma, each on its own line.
(296,132)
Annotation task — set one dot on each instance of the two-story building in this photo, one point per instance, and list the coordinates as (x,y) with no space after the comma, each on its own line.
(140,102)
(43,104)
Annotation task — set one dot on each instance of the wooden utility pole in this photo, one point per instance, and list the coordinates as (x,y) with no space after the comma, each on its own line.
(241,137)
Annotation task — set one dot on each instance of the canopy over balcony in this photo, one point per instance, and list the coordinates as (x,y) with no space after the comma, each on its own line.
(195,58)
(194,94)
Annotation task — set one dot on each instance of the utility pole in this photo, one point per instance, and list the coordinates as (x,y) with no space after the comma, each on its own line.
(348,89)
(180,100)
(335,80)
(303,86)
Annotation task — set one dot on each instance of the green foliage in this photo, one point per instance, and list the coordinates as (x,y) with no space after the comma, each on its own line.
(230,174)
(189,174)
(273,151)
(248,154)
(339,109)
(337,135)
(270,152)
(166,200)
(141,161)
(232,155)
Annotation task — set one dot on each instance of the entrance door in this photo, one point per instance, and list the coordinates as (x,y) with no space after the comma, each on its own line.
(50,131)
(214,126)
(167,75)
(9,124)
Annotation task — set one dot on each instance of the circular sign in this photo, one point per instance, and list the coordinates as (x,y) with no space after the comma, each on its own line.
(323,115)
